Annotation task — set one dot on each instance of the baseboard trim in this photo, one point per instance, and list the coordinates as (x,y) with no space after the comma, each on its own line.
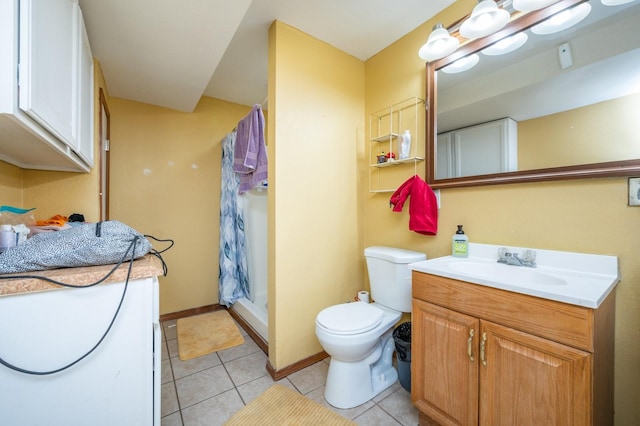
(280,374)
(190,312)
(255,336)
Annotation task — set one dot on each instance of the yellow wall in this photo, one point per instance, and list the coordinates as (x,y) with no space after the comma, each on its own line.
(165,182)
(542,142)
(11,182)
(316,111)
(62,193)
(588,215)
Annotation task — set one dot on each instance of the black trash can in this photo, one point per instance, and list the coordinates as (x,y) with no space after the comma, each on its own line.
(402,339)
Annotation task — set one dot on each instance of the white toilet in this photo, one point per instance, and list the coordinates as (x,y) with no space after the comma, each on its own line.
(358,335)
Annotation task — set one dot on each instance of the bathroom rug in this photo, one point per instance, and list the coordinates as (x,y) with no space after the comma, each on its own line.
(282,406)
(203,334)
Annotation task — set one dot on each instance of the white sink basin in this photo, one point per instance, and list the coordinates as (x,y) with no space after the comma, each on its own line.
(575,278)
(516,275)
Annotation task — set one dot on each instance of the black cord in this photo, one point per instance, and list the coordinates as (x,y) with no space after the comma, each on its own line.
(156,253)
(161,241)
(132,248)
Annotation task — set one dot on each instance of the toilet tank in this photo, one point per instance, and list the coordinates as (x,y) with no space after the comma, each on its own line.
(390,277)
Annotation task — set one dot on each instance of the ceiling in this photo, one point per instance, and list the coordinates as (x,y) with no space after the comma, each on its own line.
(169,53)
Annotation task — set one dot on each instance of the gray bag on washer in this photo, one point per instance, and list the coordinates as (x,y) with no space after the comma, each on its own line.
(93,244)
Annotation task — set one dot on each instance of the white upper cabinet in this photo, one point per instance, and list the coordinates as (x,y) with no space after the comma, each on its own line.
(46,86)
(46,65)
(83,94)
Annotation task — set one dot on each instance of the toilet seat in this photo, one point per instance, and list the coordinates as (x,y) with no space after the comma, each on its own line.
(350,318)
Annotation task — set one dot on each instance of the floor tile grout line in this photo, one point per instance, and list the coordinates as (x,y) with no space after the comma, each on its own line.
(367,410)
(173,378)
(208,398)
(235,387)
(226,370)
(222,363)
(180,407)
(383,409)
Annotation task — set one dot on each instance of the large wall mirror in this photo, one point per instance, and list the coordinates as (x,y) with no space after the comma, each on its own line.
(564,105)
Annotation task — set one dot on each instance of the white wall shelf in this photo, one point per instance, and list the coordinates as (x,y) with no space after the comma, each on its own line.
(385,138)
(386,127)
(391,163)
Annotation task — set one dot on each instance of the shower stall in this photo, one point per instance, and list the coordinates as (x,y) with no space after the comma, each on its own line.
(254,309)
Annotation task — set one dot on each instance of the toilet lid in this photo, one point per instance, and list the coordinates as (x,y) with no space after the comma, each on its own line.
(350,318)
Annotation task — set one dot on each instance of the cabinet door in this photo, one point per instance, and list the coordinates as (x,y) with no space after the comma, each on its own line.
(445,364)
(46,74)
(528,380)
(83,86)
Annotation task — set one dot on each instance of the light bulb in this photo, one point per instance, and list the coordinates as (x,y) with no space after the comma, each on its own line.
(462,64)
(485,19)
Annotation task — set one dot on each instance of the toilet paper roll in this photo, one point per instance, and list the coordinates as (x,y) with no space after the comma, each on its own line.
(363,296)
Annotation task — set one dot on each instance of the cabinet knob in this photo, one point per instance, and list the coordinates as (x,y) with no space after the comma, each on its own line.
(470,345)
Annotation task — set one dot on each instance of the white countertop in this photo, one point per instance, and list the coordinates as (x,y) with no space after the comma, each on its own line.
(574,278)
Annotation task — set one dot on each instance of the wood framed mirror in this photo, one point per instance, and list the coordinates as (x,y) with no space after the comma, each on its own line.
(603,63)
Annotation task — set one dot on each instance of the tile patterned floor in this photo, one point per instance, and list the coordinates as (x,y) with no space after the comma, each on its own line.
(208,390)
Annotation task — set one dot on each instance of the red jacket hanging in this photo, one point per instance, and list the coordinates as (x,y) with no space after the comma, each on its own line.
(423,210)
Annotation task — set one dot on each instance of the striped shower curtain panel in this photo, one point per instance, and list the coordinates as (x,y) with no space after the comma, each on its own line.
(233,281)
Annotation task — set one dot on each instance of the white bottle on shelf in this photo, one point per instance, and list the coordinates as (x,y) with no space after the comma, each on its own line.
(405,145)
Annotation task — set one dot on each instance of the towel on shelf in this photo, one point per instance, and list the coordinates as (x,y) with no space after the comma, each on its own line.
(423,210)
(250,154)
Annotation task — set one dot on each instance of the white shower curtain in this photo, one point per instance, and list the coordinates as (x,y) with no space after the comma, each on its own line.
(233,281)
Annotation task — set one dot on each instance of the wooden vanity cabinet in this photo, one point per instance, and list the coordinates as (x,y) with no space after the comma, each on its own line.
(484,356)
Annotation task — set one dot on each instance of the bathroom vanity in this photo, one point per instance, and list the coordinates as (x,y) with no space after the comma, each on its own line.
(493,352)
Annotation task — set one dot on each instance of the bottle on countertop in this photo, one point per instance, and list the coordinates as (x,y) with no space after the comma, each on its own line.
(7,238)
(460,244)
(405,145)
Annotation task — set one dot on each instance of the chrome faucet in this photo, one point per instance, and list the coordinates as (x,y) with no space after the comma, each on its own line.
(528,257)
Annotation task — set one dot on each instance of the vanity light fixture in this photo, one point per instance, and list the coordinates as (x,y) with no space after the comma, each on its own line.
(462,64)
(562,20)
(506,45)
(529,5)
(438,45)
(485,19)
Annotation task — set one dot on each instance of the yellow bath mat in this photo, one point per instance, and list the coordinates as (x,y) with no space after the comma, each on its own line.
(281,406)
(202,334)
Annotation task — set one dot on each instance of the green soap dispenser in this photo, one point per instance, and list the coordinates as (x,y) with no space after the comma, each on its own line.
(460,244)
